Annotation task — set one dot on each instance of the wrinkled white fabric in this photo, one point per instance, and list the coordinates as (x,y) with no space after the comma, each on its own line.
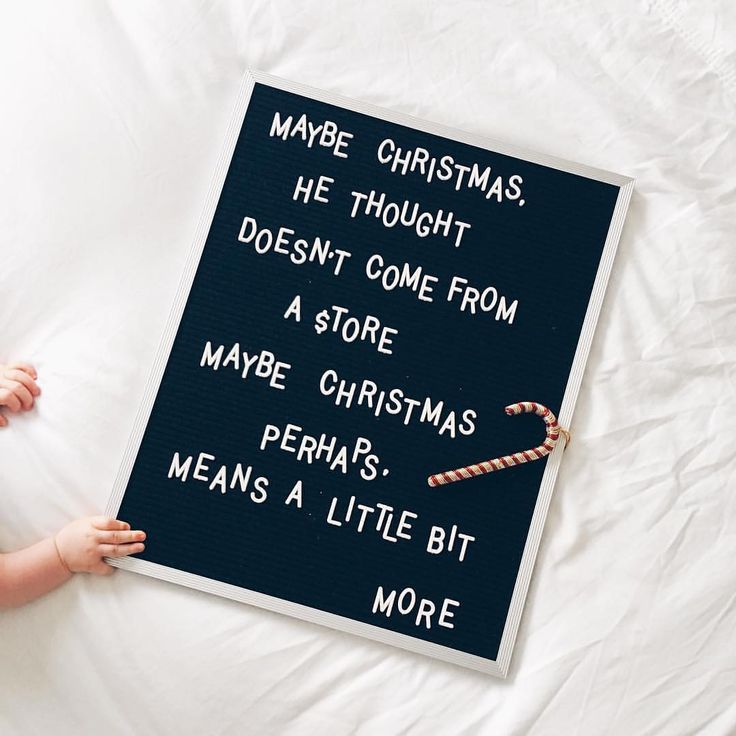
(112,117)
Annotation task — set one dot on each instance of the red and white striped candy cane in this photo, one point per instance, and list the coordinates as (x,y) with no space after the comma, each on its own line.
(525,456)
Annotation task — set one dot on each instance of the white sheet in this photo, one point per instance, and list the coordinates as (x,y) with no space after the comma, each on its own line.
(112,116)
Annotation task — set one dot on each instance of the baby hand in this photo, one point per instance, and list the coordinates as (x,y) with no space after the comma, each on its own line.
(18,387)
(83,543)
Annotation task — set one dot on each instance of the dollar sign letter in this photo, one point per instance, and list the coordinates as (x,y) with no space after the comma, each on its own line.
(321,321)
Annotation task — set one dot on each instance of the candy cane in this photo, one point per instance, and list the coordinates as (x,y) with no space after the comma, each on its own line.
(525,456)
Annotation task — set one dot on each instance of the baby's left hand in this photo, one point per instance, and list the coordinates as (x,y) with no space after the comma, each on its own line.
(82,544)
(18,388)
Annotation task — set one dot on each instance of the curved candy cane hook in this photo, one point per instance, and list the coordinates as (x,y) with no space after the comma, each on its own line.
(499,463)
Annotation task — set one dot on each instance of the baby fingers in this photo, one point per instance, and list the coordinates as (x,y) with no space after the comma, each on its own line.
(104,523)
(15,374)
(8,397)
(121,550)
(120,537)
(25,367)
(21,393)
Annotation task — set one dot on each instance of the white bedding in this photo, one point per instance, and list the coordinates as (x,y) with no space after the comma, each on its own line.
(111,119)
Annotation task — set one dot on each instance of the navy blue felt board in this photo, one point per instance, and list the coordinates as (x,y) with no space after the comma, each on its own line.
(545,254)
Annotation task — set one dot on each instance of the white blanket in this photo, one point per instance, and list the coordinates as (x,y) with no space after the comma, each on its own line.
(112,115)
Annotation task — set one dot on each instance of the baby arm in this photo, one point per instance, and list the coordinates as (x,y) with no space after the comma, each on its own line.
(78,547)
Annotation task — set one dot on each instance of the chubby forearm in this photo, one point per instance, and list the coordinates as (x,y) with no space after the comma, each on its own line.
(81,546)
(30,572)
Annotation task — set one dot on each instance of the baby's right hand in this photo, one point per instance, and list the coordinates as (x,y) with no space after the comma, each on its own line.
(18,388)
(83,543)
